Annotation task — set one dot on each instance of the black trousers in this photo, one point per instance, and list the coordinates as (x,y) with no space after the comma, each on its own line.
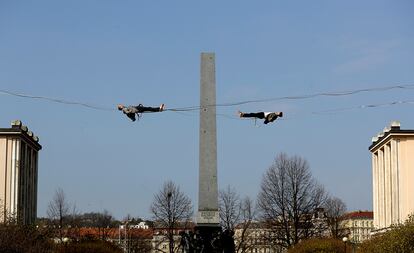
(259,115)
(142,108)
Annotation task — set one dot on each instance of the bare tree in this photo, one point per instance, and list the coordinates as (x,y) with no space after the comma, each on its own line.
(59,210)
(74,223)
(104,221)
(171,208)
(7,217)
(237,215)
(247,216)
(3,213)
(139,243)
(335,208)
(230,208)
(288,197)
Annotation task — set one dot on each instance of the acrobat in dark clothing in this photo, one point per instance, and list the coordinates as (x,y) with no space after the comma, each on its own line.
(267,116)
(131,110)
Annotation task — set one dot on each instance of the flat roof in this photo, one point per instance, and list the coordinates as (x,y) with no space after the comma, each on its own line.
(13,131)
(393,131)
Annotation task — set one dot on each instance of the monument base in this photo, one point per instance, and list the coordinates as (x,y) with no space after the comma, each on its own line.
(209,234)
(208,217)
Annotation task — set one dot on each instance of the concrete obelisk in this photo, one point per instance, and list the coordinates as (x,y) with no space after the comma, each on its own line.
(208,215)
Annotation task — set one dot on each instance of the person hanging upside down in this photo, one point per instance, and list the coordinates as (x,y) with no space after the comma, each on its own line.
(131,110)
(267,116)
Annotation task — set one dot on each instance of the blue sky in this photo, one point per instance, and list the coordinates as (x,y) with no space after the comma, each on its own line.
(109,52)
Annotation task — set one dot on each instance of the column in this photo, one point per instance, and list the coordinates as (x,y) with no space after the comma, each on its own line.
(400,170)
(375,187)
(387,185)
(36,162)
(395,181)
(381,199)
(4,178)
(15,168)
(208,190)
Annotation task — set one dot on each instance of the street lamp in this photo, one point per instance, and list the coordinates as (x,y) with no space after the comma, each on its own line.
(127,235)
(345,239)
(125,228)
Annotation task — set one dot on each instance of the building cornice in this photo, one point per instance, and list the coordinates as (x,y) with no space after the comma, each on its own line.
(387,136)
(8,132)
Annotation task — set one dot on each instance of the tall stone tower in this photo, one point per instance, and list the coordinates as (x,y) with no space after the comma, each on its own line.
(208,190)
(208,215)
(19,149)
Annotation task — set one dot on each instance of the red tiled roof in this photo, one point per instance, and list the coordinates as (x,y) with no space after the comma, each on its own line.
(180,226)
(113,233)
(358,215)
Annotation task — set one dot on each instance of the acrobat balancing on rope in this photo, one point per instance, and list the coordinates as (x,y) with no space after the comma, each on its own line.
(131,110)
(267,116)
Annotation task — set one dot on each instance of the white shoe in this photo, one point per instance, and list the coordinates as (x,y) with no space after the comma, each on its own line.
(162,107)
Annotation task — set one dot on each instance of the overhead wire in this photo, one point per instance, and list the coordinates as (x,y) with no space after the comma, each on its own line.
(184,109)
(299,97)
(56,100)
(329,94)
(322,94)
(344,109)
(196,107)
(393,103)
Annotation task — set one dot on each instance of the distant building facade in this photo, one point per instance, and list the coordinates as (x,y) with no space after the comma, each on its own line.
(19,149)
(128,239)
(255,237)
(393,175)
(358,225)
(261,237)
(160,242)
(141,225)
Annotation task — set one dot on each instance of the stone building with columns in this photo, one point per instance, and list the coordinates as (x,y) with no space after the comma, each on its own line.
(19,149)
(393,175)
(357,225)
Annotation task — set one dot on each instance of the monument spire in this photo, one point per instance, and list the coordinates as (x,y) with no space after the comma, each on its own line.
(208,191)
(208,219)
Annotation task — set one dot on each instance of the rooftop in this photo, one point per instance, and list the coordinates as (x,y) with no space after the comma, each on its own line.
(113,233)
(393,129)
(358,215)
(17,128)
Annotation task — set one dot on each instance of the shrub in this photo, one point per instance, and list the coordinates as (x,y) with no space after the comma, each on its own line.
(316,245)
(400,239)
(90,246)
(24,239)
